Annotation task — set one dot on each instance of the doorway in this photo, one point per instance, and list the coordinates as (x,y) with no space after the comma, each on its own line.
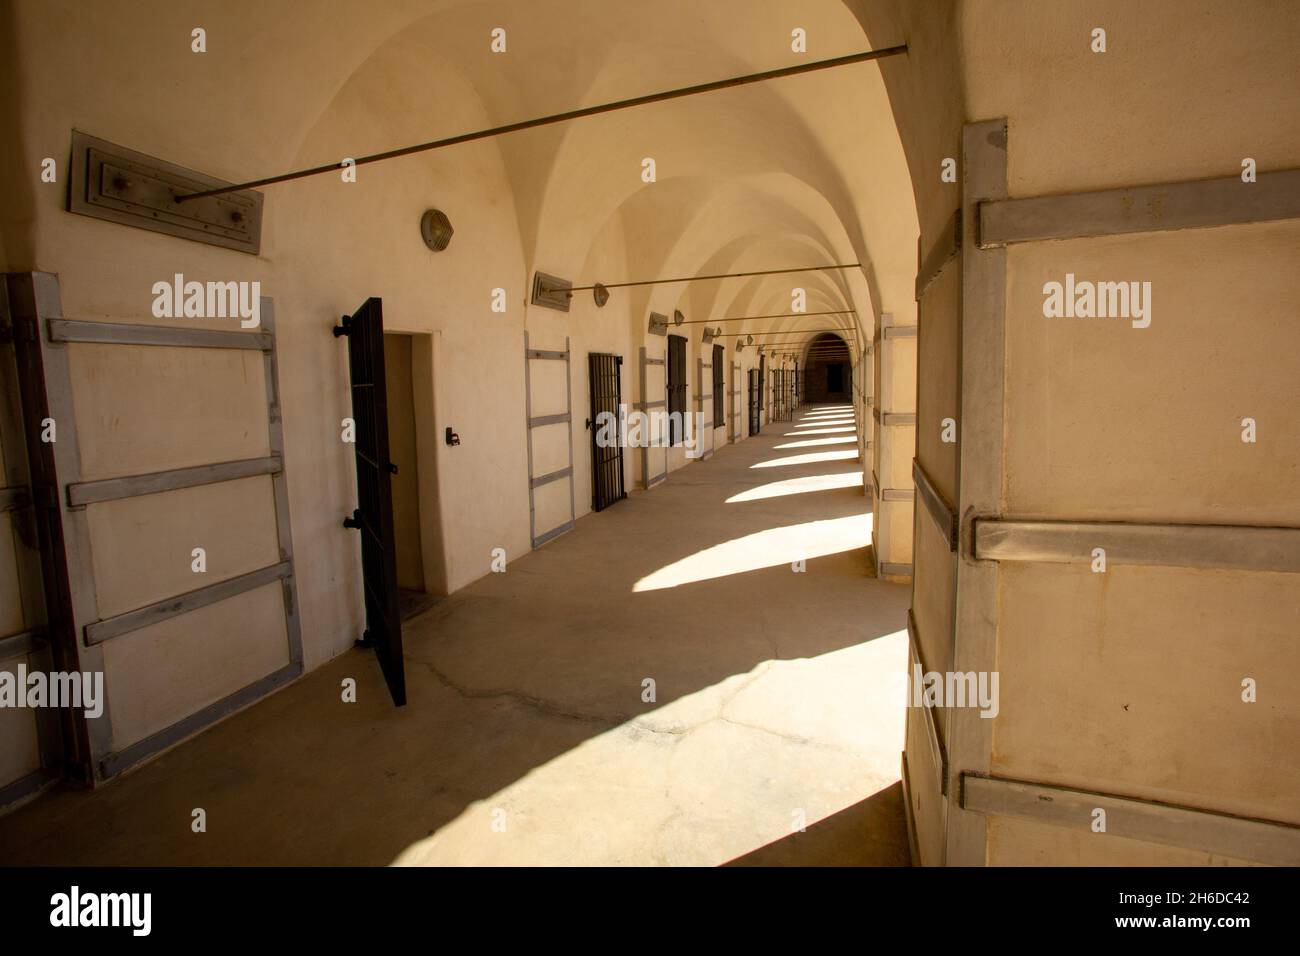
(414,591)
(755,400)
(606,376)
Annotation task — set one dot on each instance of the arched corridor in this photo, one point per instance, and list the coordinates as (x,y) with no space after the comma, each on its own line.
(595,432)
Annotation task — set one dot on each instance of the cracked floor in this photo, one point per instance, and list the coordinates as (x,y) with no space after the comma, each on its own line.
(773,739)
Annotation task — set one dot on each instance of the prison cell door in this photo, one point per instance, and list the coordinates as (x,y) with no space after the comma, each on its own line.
(373,517)
(605,425)
(167,437)
(755,399)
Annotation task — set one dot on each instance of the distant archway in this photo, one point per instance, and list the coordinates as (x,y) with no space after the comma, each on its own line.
(828,369)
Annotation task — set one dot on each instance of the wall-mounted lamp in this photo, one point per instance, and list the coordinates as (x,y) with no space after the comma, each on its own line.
(658,323)
(435,229)
(678,318)
(600,294)
(452,437)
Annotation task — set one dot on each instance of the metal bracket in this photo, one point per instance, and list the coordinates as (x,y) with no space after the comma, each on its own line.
(120,185)
(551,292)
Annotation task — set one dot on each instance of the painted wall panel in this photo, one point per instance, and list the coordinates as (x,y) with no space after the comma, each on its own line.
(932,603)
(119,392)
(1138,689)
(1231,71)
(1014,842)
(1105,420)
(159,674)
(11,596)
(926,785)
(141,547)
(19,750)
(938,353)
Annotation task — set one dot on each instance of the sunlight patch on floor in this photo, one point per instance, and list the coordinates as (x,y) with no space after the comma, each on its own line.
(820,424)
(818,431)
(812,458)
(703,779)
(769,548)
(813,442)
(798,486)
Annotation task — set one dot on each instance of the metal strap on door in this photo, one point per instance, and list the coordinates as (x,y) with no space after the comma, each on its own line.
(644,406)
(542,421)
(705,438)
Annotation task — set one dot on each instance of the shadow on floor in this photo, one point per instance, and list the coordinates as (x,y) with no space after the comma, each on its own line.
(839,840)
(505,677)
(414,603)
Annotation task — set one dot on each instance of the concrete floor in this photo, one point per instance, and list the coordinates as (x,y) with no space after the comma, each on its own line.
(526,739)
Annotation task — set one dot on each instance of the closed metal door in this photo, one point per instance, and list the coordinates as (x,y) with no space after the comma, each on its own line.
(676,389)
(606,430)
(755,399)
(373,516)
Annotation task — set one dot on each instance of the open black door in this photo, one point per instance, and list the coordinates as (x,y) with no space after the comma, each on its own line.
(374,514)
(606,458)
(755,400)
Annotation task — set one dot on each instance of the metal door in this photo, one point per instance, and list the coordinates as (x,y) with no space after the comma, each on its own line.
(605,373)
(719,386)
(676,389)
(755,397)
(374,514)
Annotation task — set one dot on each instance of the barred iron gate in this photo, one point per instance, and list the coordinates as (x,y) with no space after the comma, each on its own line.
(755,400)
(606,462)
(373,516)
(782,396)
(676,389)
